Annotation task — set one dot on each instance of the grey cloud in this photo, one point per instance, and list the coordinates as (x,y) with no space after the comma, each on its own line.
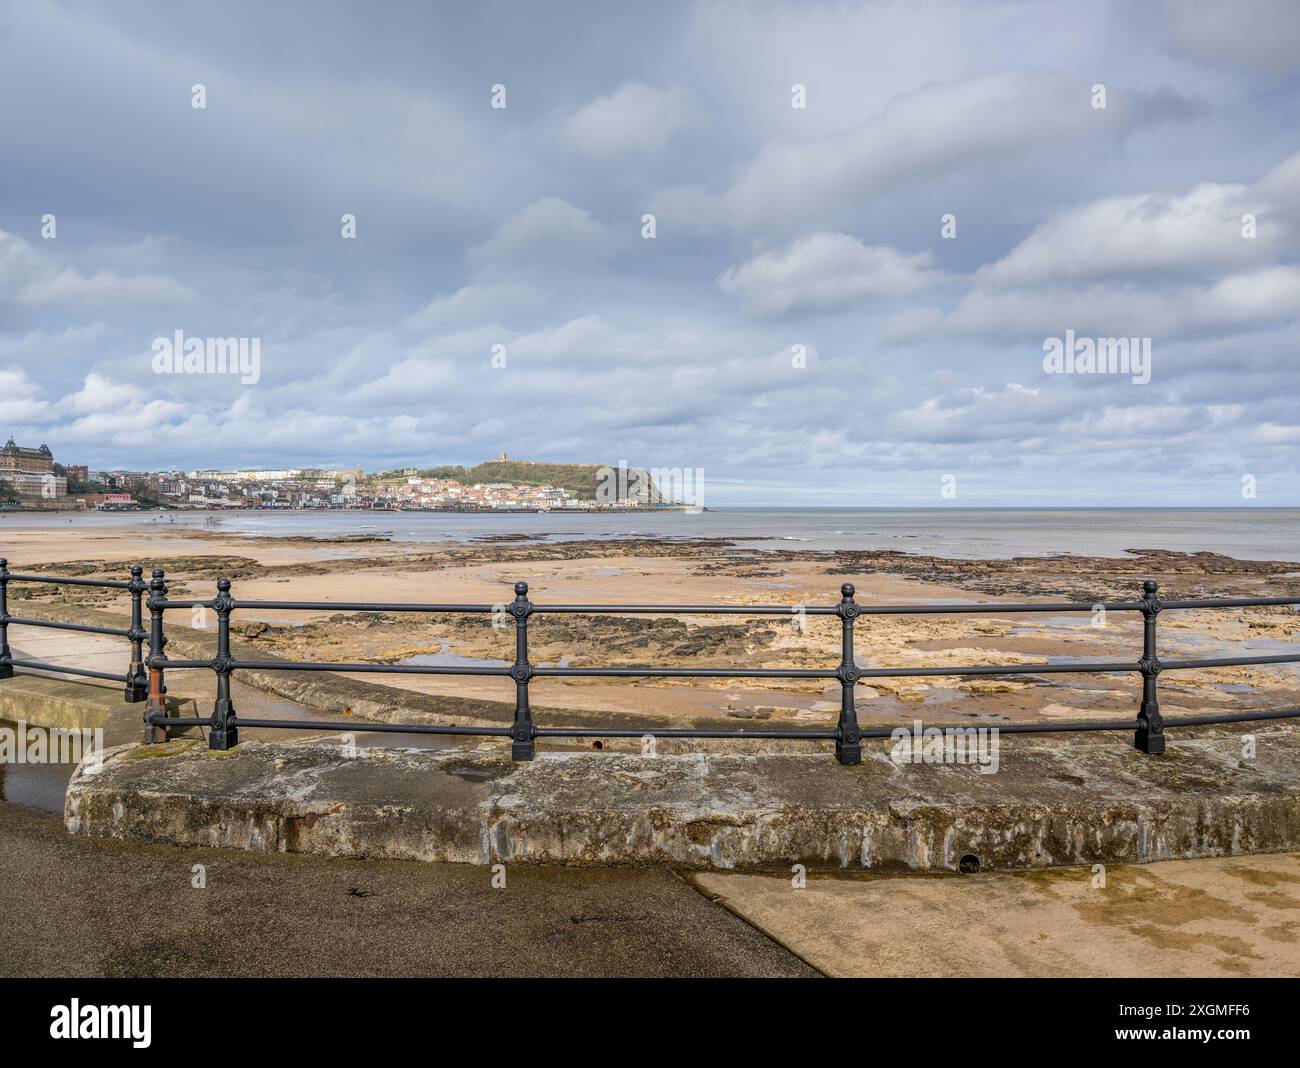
(776,228)
(932,130)
(1252,34)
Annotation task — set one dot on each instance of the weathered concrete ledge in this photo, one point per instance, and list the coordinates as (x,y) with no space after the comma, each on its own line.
(57,703)
(74,705)
(1048,805)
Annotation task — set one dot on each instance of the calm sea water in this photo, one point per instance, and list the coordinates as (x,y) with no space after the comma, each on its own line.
(964,533)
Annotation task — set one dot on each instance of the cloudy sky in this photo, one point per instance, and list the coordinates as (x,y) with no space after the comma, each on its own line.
(799,326)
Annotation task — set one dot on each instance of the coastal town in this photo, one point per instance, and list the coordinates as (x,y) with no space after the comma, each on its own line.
(32,480)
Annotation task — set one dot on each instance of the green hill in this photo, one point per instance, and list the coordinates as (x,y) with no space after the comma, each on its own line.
(578,479)
(581,480)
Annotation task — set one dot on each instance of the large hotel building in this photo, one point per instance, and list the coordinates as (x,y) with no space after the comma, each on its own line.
(31,471)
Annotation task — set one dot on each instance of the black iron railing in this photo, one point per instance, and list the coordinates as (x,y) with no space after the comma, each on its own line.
(1149,727)
(135,681)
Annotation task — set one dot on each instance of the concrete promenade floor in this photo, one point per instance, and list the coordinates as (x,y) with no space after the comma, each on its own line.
(80,907)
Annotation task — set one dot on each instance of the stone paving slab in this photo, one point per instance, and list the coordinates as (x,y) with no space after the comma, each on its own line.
(1221,917)
(1047,805)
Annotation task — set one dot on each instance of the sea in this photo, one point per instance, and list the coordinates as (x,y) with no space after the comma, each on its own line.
(1246,532)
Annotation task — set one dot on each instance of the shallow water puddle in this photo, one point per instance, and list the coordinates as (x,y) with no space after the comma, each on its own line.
(39,785)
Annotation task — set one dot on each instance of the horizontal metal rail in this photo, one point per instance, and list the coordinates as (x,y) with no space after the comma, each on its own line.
(1149,725)
(135,680)
(1227,661)
(361,667)
(58,580)
(1064,726)
(335,606)
(1230,602)
(786,610)
(84,628)
(325,725)
(63,669)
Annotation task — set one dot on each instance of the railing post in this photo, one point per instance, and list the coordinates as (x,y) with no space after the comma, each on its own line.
(848,736)
(137,683)
(522,746)
(1150,735)
(6,656)
(157,702)
(224,733)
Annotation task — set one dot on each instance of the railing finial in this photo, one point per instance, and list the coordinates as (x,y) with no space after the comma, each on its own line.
(848,735)
(156,706)
(522,730)
(224,733)
(1150,734)
(6,656)
(137,682)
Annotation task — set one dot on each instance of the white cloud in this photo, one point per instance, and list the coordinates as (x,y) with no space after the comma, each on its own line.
(1274,434)
(20,399)
(45,344)
(31,278)
(103,289)
(635,118)
(546,234)
(1251,300)
(494,303)
(1246,301)
(825,272)
(19,263)
(100,394)
(1146,265)
(1281,185)
(1132,234)
(1201,231)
